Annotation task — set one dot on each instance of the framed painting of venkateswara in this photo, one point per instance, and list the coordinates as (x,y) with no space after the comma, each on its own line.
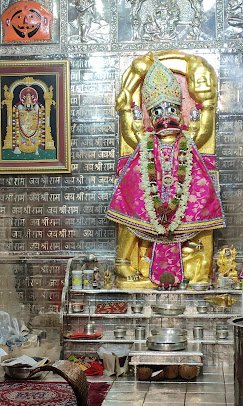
(35,117)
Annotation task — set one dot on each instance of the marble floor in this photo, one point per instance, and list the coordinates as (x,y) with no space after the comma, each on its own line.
(215,386)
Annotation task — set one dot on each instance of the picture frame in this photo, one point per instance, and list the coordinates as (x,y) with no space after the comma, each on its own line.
(35,116)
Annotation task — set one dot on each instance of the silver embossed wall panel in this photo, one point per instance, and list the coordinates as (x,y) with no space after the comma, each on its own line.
(89,22)
(153,20)
(233,19)
(230,149)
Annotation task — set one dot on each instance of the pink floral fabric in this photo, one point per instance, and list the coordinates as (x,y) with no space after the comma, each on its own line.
(166,257)
(203,210)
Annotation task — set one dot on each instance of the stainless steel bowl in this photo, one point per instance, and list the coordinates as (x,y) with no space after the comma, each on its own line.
(137,308)
(21,371)
(222,334)
(169,309)
(202,308)
(77,307)
(120,332)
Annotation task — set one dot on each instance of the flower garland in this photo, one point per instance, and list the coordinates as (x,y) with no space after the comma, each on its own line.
(156,209)
(19,134)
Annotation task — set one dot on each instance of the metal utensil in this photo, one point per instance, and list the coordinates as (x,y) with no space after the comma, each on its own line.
(140,332)
(89,328)
(202,308)
(199,286)
(169,309)
(23,371)
(160,343)
(120,332)
(137,308)
(222,334)
(198,332)
(170,332)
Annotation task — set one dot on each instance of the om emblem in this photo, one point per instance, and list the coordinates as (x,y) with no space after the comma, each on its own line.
(26,21)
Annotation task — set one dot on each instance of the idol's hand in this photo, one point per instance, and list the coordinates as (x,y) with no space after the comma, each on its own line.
(131,130)
(202,81)
(202,86)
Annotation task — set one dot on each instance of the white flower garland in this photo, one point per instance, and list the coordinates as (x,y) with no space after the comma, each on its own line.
(148,188)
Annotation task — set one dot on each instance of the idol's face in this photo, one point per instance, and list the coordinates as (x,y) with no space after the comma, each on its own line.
(28,96)
(165,116)
(227,252)
(26,22)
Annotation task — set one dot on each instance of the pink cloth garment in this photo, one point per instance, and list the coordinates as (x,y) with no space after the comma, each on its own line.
(166,257)
(203,210)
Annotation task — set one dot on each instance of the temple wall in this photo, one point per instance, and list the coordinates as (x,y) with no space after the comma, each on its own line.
(46,218)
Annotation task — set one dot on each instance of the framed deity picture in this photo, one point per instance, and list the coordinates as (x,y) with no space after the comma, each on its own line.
(35,117)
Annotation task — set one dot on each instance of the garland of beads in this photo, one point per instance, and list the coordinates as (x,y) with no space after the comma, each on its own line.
(157,210)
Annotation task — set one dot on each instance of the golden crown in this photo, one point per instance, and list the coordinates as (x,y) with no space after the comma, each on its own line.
(160,84)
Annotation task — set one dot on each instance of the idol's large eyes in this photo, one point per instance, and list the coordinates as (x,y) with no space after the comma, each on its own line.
(171,110)
(157,111)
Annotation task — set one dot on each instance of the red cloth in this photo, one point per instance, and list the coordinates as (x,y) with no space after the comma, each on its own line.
(96,368)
